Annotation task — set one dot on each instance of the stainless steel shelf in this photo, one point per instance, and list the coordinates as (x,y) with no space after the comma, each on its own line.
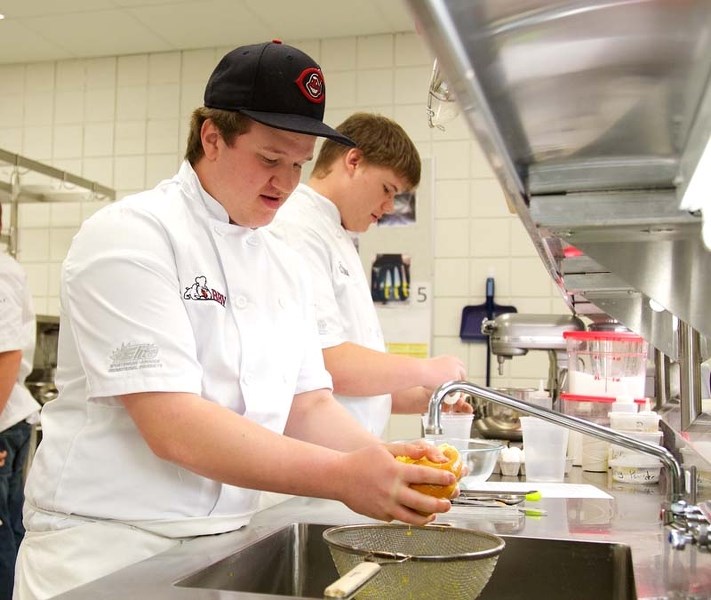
(36,193)
(61,186)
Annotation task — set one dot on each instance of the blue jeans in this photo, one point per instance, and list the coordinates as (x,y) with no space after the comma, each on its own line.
(16,442)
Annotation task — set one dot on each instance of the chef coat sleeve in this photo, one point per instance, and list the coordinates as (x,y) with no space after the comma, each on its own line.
(121,292)
(12,286)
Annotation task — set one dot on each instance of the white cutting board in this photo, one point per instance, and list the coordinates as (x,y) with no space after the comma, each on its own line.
(548,490)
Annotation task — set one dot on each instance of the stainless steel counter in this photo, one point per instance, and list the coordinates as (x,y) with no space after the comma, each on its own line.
(630,518)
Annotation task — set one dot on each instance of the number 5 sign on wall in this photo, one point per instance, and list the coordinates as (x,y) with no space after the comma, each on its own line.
(421,294)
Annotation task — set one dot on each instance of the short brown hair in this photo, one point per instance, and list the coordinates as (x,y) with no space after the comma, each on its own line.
(229,123)
(381,140)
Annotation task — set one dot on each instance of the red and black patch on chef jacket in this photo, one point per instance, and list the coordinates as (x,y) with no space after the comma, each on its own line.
(310,82)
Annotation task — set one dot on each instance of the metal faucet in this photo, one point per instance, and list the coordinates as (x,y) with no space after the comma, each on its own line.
(434,427)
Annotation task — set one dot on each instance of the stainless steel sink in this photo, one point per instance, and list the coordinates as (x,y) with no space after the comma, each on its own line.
(294,561)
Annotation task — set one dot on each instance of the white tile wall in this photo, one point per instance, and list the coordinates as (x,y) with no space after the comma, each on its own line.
(39,77)
(338,55)
(123,121)
(375,51)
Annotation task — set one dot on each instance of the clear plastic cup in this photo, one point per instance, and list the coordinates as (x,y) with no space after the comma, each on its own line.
(454,425)
(545,446)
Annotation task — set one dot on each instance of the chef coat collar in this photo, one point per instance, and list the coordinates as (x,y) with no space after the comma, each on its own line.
(214,209)
(192,185)
(326,207)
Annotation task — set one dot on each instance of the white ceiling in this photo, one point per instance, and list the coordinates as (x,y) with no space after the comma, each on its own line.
(39,30)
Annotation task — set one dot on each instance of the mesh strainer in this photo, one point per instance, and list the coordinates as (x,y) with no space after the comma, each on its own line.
(427,563)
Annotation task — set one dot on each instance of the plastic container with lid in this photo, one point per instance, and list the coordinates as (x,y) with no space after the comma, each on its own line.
(606,363)
(635,421)
(636,469)
(645,420)
(650,437)
(624,404)
(592,408)
(540,397)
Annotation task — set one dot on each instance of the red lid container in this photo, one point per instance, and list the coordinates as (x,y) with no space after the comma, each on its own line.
(606,363)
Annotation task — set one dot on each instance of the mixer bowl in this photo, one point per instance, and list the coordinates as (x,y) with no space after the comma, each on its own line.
(497,422)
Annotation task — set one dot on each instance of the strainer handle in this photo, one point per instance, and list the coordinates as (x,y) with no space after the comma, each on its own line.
(357,577)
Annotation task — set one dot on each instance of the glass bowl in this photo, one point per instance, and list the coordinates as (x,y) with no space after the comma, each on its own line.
(478,456)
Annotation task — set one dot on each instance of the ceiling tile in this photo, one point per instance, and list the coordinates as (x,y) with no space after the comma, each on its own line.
(38,8)
(87,33)
(19,44)
(40,30)
(319,18)
(223,23)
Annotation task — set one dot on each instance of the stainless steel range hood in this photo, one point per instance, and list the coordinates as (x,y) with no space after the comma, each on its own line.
(593,115)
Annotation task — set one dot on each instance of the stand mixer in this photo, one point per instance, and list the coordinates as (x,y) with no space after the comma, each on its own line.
(514,334)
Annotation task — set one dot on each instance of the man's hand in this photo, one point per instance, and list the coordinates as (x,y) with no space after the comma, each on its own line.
(441,369)
(461,405)
(376,485)
(3,455)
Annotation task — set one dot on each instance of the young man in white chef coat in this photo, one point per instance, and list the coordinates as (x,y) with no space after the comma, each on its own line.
(189,369)
(17,350)
(349,190)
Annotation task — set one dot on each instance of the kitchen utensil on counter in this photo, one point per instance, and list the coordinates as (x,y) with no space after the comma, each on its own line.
(426,562)
(474,315)
(530,495)
(503,499)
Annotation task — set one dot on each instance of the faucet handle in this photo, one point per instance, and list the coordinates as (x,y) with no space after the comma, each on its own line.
(689,524)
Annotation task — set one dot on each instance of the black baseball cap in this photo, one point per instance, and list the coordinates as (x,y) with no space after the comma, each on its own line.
(276,85)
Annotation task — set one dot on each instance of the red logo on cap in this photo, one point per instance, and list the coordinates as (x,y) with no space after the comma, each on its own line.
(310,82)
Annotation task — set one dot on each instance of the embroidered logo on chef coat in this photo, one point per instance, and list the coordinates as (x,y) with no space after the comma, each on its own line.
(200,291)
(133,355)
(342,269)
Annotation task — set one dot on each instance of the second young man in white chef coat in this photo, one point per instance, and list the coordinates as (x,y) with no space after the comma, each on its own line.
(189,369)
(17,408)
(348,191)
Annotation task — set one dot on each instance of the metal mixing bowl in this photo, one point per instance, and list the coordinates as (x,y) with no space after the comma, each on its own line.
(497,422)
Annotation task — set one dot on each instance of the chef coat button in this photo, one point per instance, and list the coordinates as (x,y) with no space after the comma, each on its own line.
(253,240)
(282,302)
(283,378)
(246,379)
(217,230)
(241,302)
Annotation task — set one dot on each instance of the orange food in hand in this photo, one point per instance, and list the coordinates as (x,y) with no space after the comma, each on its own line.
(453,464)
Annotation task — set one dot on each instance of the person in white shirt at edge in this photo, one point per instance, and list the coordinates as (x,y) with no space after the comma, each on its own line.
(18,410)
(189,370)
(349,190)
